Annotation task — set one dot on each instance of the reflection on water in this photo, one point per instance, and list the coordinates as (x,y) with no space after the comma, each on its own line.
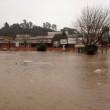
(54,81)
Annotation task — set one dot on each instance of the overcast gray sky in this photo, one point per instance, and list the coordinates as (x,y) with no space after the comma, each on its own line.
(61,12)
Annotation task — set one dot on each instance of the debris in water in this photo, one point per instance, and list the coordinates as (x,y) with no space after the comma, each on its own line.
(99,84)
(27,61)
(97,70)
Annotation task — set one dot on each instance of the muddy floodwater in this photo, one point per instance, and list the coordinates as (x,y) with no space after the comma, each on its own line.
(54,81)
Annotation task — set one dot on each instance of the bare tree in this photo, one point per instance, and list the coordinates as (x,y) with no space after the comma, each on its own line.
(93,23)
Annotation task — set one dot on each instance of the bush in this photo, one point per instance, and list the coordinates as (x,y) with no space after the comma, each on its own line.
(41,47)
(91,49)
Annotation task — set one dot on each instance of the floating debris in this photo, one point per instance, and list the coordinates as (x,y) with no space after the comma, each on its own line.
(27,61)
(97,71)
(99,83)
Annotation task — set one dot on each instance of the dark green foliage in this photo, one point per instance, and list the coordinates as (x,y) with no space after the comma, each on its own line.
(41,47)
(58,37)
(23,28)
(91,49)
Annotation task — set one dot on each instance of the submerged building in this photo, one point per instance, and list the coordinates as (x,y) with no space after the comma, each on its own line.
(29,41)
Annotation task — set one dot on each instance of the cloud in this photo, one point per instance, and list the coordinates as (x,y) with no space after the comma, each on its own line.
(61,12)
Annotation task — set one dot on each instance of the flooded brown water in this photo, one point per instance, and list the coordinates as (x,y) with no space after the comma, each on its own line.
(54,81)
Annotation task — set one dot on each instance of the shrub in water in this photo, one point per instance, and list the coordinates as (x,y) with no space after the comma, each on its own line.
(41,47)
(91,49)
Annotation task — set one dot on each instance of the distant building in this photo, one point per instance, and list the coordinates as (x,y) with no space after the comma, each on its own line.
(72,35)
(53,33)
(33,41)
(6,39)
(24,40)
(69,31)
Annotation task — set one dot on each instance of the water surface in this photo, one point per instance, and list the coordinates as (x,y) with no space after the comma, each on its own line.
(54,81)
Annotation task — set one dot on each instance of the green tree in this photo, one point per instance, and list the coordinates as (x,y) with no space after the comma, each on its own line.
(58,37)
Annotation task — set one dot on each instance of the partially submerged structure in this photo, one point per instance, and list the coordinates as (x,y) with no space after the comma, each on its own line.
(27,41)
